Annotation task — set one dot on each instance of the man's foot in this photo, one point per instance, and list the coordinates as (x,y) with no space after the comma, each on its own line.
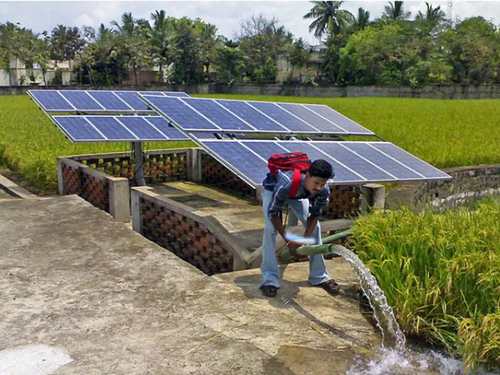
(330,286)
(269,290)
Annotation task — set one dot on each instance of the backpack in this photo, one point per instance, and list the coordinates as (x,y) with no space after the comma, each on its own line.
(298,162)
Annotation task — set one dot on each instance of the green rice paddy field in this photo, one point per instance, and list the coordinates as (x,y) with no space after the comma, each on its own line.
(443,132)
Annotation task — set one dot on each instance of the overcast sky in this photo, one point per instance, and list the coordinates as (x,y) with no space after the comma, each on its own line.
(226,15)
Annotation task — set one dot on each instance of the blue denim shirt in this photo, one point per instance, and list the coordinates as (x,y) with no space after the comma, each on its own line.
(280,185)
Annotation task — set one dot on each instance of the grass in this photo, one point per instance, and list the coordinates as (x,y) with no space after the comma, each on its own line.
(443,132)
(441,274)
(30,143)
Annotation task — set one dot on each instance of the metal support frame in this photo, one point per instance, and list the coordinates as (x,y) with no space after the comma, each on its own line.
(138,157)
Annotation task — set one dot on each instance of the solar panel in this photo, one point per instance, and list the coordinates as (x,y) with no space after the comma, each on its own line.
(353,162)
(117,128)
(94,100)
(338,119)
(223,115)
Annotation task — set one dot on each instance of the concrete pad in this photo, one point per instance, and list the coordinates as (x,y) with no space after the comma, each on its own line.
(114,302)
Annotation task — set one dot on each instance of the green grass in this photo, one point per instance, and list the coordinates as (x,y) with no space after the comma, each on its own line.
(441,274)
(446,133)
(30,143)
(443,132)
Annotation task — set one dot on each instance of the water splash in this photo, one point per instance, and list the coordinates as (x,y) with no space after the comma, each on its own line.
(392,336)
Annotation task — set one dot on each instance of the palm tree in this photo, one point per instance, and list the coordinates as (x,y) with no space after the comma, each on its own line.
(327,15)
(159,39)
(362,20)
(127,26)
(395,11)
(432,15)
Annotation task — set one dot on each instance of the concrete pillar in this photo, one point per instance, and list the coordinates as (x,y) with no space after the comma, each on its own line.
(135,203)
(119,198)
(60,176)
(138,153)
(372,197)
(194,165)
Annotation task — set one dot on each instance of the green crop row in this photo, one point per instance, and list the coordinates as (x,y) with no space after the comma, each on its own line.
(441,274)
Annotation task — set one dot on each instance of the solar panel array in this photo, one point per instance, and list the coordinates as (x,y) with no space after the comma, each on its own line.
(222,115)
(117,128)
(95,100)
(353,162)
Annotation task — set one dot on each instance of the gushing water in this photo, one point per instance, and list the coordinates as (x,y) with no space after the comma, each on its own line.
(392,336)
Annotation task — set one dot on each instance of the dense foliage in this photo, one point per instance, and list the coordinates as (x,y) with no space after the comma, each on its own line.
(395,49)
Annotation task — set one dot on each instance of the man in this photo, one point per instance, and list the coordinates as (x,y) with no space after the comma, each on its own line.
(311,197)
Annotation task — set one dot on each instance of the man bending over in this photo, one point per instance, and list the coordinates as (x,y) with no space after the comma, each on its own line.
(310,198)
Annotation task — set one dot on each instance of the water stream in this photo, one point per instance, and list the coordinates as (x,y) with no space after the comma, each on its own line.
(395,357)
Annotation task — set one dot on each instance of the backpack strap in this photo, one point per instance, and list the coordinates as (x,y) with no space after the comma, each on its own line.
(296,180)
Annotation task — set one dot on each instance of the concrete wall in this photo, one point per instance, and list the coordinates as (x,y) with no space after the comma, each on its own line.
(433,92)
(467,186)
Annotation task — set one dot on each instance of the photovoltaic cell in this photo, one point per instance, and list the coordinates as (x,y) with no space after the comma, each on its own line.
(140,127)
(284,118)
(162,125)
(51,100)
(354,162)
(377,157)
(178,112)
(133,100)
(408,159)
(240,159)
(217,114)
(111,128)
(311,117)
(81,100)
(265,149)
(251,115)
(109,100)
(338,119)
(78,129)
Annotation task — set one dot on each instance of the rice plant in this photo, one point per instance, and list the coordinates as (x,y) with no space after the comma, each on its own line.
(441,273)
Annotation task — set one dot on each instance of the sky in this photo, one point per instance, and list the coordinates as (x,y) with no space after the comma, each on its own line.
(226,15)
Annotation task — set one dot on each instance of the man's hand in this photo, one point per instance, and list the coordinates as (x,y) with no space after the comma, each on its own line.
(292,245)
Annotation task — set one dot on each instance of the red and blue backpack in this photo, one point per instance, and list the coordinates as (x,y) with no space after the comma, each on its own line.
(298,162)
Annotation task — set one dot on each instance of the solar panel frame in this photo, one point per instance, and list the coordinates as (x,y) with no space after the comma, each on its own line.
(364,131)
(243,143)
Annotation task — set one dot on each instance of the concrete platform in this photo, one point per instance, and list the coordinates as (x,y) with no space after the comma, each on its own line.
(116,303)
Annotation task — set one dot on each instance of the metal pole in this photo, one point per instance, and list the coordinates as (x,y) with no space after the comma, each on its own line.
(138,156)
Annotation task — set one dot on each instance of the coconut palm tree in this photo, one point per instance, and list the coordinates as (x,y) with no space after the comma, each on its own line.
(362,20)
(432,15)
(395,11)
(327,15)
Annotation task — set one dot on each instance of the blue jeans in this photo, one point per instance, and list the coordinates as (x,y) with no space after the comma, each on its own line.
(269,265)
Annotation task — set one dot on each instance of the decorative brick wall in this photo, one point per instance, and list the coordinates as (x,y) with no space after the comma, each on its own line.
(200,240)
(89,187)
(161,165)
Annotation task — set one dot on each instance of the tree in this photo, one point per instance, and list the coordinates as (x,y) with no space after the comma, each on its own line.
(299,56)
(229,63)
(362,20)
(328,16)
(432,16)
(134,42)
(262,42)
(395,11)
(160,34)
(185,53)
(65,42)
(207,34)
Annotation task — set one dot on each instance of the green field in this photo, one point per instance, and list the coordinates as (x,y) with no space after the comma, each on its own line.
(441,274)
(445,133)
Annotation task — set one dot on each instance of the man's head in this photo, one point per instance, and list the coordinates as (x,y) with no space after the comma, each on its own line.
(318,175)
